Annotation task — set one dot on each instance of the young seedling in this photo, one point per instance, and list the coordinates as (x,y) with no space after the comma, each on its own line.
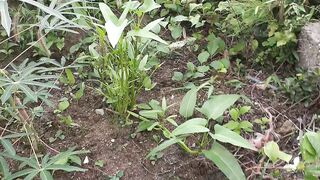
(236,124)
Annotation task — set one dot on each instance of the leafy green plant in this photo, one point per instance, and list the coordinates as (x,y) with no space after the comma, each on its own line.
(122,68)
(236,124)
(301,88)
(31,167)
(212,109)
(271,149)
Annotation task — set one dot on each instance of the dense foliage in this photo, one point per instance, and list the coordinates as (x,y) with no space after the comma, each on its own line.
(115,47)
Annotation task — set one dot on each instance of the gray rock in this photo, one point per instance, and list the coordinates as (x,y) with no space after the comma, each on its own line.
(99,112)
(309,46)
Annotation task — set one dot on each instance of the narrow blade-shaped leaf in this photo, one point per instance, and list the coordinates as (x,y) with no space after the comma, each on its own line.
(22,173)
(146,34)
(65,167)
(46,175)
(7,93)
(4,168)
(152,24)
(225,161)
(8,146)
(162,146)
(50,11)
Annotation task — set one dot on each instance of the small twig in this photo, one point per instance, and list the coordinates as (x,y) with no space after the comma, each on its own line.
(56,151)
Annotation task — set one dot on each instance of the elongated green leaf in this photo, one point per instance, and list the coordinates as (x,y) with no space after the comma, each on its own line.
(113,25)
(196,125)
(227,136)
(50,11)
(152,24)
(146,34)
(15,135)
(63,105)
(30,162)
(151,114)
(31,175)
(65,167)
(217,105)
(8,146)
(4,168)
(5,16)
(28,92)
(188,103)
(149,5)
(46,175)
(70,77)
(22,173)
(7,93)
(144,125)
(162,146)
(225,161)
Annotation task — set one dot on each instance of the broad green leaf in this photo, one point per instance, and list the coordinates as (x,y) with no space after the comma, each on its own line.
(5,16)
(225,135)
(144,125)
(188,103)
(177,76)
(114,32)
(309,154)
(80,92)
(212,47)
(131,5)
(225,161)
(234,113)
(148,5)
(271,149)
(244,109)
(203,57)
(70,77)
(232,125)
(113,25)
(63,105)
(8,146)
(196,125)
(217,105)
(193,6)
(194,19)
(203,69)
(314,139)
(162,146)
(107,13)
(45,175)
